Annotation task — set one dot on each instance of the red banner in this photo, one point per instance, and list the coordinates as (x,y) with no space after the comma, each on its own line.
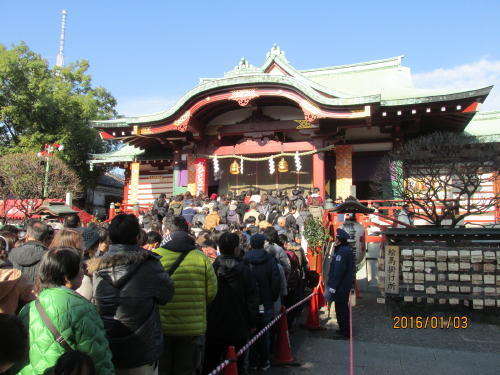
(201,175)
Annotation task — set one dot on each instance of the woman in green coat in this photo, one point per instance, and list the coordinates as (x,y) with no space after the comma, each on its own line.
(75,318)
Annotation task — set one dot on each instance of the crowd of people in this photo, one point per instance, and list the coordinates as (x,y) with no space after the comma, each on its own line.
(166,292)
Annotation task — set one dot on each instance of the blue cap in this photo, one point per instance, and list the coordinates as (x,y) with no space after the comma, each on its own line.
(342,234)
(89,236)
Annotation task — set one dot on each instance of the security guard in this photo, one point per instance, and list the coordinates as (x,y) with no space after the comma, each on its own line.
(340,281)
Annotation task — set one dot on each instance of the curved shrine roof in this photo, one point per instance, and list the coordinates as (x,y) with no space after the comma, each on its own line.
(321,93)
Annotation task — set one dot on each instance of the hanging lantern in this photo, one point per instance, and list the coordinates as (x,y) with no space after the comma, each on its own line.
(241,165)
(298,164)
(272,167)
(234,168)
(282,166)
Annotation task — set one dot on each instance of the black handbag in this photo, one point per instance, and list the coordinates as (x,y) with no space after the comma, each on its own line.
(312,279)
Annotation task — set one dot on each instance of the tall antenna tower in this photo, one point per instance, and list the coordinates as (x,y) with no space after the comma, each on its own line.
(60,55)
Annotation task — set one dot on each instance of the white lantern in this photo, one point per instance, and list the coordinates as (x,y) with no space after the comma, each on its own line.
(216,165)
(272,167)
(298,164)
(216,168)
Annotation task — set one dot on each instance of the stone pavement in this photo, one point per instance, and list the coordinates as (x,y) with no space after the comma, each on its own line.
(380,349)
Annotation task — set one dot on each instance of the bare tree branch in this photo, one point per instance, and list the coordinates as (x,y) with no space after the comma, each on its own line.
(443,176)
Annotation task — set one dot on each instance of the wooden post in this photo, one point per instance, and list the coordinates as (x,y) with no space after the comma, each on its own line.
(343,165)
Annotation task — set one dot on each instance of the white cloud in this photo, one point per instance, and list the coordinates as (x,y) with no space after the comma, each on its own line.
(475,75)
(137,106)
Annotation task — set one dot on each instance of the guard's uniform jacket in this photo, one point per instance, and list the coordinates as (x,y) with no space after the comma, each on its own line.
(341,273)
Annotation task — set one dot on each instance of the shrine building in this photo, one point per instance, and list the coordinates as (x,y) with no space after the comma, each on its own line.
(276,127)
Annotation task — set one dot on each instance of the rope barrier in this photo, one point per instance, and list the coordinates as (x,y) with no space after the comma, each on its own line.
(351,343)
(252,341)
(264,158)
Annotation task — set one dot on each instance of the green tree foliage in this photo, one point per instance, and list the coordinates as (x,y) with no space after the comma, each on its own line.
(40,104)
(315,234)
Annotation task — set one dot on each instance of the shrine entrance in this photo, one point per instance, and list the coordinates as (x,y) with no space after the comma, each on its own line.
(263,175)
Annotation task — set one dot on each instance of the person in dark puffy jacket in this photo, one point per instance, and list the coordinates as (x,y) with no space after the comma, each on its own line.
(340,280)
(241,207)
(223,210)
(297,199)
(27,258)
(232,315)
(160,206)
(265,269)
(129,285)
(14,345)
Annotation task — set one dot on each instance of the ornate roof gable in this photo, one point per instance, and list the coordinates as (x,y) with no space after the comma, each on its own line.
(244,67)
(276,63)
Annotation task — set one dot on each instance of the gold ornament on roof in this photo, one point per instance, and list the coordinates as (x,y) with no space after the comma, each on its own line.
(303,124)
(234,168)
(282,166)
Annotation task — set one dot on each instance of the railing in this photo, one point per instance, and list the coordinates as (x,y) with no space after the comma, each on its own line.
(392,207)
(489,217)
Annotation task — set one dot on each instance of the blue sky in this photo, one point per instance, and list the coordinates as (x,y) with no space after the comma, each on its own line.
(150,53)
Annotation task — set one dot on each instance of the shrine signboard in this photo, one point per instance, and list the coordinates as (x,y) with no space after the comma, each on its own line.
(200,170)
(392,269)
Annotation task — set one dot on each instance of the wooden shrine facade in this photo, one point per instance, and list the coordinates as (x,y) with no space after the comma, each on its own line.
(330,125)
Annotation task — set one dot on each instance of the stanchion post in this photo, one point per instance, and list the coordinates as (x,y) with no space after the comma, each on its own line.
(232,367)
(312,322)
(112,211)
(283,351)
(351,345)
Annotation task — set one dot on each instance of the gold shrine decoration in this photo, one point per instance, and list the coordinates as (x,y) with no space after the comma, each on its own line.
(138,130)
(303,124)
(234,168)
(282,166)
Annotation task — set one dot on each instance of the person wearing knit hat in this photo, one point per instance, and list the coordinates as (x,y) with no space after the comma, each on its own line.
(265,269)
(340,281)
(90,239)
(90,243)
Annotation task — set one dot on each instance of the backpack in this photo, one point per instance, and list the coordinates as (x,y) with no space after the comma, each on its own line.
(294,277)
(177,207)
(316,201)
(232,217)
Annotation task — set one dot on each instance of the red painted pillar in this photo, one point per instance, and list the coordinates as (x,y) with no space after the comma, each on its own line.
(318,171)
